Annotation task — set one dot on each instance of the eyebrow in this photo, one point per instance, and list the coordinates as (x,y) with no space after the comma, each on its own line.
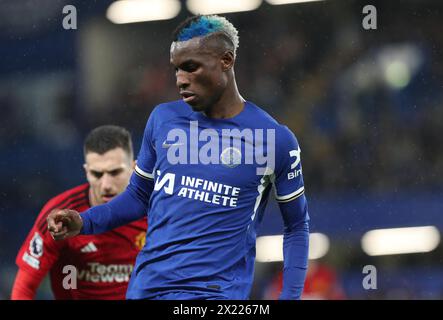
(189,61)
(106,171)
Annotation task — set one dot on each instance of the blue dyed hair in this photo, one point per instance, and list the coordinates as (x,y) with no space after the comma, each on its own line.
(200,26)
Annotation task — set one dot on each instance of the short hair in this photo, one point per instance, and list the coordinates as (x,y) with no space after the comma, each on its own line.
(108,137)
(204,25)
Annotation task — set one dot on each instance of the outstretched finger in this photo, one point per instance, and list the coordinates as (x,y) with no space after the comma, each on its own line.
(59,235)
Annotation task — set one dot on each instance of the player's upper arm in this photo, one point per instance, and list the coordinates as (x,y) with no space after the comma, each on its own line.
(288,180)
(39,251)
(147,155)
(288,175)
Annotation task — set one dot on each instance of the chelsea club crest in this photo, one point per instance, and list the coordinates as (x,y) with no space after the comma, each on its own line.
(230,157)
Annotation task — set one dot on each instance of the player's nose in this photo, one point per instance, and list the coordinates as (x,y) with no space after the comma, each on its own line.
(107,182)
(182,80)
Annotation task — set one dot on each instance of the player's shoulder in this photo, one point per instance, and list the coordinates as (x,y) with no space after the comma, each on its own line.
(171,109)
(67,198)
(263,119)
(76,192)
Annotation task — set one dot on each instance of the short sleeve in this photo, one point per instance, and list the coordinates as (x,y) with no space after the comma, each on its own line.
(288,175)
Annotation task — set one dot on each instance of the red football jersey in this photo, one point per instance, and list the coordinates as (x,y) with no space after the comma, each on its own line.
(103,262)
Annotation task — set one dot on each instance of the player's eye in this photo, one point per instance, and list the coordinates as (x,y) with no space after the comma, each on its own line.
(190,67)
(115,172)
(96,174)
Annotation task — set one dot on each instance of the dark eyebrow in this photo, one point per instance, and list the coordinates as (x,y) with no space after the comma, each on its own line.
(115,171)
(185,63)
(100,173)
(96,173)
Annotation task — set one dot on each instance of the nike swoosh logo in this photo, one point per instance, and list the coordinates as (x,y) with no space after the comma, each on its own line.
(167,145)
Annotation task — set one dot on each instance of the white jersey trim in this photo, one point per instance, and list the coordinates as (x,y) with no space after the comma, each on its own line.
(291,196)
(143,174)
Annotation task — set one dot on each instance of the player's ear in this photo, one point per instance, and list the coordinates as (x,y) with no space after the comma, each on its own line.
(227,60)
(85,167)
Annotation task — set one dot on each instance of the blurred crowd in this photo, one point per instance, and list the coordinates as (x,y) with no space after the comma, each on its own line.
(319,73)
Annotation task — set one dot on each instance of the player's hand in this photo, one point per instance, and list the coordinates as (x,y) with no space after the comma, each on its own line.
(64,224)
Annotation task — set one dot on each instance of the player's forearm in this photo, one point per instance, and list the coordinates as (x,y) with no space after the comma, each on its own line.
(295,252)
(25,286)
(128,206)
(295,247)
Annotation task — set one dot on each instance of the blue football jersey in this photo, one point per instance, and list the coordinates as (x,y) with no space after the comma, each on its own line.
(212,181)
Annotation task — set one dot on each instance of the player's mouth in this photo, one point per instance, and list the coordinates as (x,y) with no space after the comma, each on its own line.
(188,96)
(108,197)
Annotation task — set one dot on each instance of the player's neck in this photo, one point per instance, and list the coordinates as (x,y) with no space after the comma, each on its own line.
(228,106)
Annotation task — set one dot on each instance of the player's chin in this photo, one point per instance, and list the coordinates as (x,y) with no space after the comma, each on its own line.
(196,106)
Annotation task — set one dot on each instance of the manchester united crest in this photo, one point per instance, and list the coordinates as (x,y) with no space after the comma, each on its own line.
(140,240)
